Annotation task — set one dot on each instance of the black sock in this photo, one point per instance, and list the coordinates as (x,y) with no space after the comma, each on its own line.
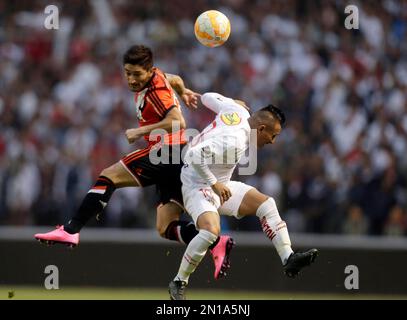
(181,231)
(73,226)
(93,203)
(184,229)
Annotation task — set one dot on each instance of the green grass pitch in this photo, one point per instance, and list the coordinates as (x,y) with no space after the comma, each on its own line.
(98,293)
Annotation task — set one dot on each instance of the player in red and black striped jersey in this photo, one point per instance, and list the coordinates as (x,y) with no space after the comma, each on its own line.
(157,107)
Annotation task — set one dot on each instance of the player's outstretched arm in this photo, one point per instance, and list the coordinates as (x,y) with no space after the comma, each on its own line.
(189,97)
(173,117)
(216,102)
(243,104)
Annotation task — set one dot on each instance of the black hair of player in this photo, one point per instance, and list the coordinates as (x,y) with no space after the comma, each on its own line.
(277,113)
(139,55)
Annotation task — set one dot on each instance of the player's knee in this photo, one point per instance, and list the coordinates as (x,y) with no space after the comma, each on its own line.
(109,173)
(210,227)
(117,175)
(161,229)
(268,210)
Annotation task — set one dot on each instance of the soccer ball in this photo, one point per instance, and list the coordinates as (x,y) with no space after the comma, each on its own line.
(212,28)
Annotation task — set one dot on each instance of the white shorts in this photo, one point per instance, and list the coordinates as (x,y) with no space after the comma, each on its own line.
(200,200)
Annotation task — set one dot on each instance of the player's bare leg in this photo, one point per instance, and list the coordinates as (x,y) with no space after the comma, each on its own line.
(120,176)
(168,214)
(256,203)
(209,227)
(170,227)
(111,178)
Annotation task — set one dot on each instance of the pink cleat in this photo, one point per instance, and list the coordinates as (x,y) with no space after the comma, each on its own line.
(58,236)
(221,257)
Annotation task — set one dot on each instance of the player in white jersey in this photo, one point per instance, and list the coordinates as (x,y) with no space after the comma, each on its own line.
(208,192)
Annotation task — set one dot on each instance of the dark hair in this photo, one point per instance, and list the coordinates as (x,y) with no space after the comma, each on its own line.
(139,55)
(277,113)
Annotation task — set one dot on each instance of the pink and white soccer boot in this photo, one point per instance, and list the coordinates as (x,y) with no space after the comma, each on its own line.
(221,256)
(59,235)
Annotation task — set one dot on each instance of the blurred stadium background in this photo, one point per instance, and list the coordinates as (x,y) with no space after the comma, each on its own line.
(338,171)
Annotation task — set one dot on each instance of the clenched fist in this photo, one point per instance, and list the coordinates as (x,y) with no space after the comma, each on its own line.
(134,134)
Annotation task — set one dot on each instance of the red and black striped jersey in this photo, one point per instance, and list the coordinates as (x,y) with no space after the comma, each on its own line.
(154,102)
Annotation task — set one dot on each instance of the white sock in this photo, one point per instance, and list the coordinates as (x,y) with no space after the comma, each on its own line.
(194,253)
(275,228)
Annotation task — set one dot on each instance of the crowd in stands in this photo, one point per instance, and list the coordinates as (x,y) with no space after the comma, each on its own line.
(339,166)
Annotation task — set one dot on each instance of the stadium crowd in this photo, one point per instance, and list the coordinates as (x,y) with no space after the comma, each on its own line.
(339,166)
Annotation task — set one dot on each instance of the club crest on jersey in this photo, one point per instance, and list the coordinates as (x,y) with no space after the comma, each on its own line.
(230,118)
(140,104)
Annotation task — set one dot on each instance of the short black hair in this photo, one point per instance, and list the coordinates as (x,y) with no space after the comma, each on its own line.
(277,113)
(139,55)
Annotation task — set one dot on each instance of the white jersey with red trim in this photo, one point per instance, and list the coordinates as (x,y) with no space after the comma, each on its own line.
(213,155)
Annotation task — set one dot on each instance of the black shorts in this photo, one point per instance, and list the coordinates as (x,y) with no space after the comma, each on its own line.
(166,175)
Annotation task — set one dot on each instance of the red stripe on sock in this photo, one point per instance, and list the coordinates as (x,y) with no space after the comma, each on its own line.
(267,229)
(100,187)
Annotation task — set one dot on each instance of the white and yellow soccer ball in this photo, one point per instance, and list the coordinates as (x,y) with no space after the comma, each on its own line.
(212,28)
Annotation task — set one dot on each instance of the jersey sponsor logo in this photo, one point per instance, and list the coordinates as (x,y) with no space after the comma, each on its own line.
(230,118)
(206,152)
